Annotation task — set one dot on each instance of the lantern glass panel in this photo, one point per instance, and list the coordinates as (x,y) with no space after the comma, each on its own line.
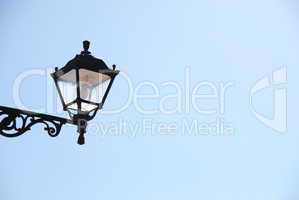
(67,86)
(93,86)
(87,107)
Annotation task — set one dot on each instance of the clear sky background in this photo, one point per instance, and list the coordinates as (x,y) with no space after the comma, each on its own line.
(218,41)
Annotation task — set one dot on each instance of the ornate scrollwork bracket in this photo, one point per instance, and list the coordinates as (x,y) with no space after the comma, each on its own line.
(15,122)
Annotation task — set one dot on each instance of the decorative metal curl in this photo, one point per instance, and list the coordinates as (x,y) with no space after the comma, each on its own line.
(15,122)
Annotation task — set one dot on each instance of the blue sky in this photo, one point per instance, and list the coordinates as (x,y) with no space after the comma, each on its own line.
(154,43)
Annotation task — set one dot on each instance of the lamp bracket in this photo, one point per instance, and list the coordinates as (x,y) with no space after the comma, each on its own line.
(15,122)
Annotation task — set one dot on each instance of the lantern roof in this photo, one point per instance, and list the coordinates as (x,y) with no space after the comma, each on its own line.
(86,61)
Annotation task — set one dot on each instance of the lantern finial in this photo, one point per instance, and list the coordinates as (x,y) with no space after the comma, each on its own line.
(86,45)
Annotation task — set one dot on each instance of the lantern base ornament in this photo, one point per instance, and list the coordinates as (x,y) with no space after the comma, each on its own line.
(81,122)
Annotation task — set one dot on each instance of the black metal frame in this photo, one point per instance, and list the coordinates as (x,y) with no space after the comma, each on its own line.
(90,114)
(88,62)
(16,122)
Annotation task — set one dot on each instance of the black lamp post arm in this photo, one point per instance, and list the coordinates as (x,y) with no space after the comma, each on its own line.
(15,122)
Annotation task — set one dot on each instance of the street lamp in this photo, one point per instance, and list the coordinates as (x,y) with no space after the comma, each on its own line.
(83,85)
